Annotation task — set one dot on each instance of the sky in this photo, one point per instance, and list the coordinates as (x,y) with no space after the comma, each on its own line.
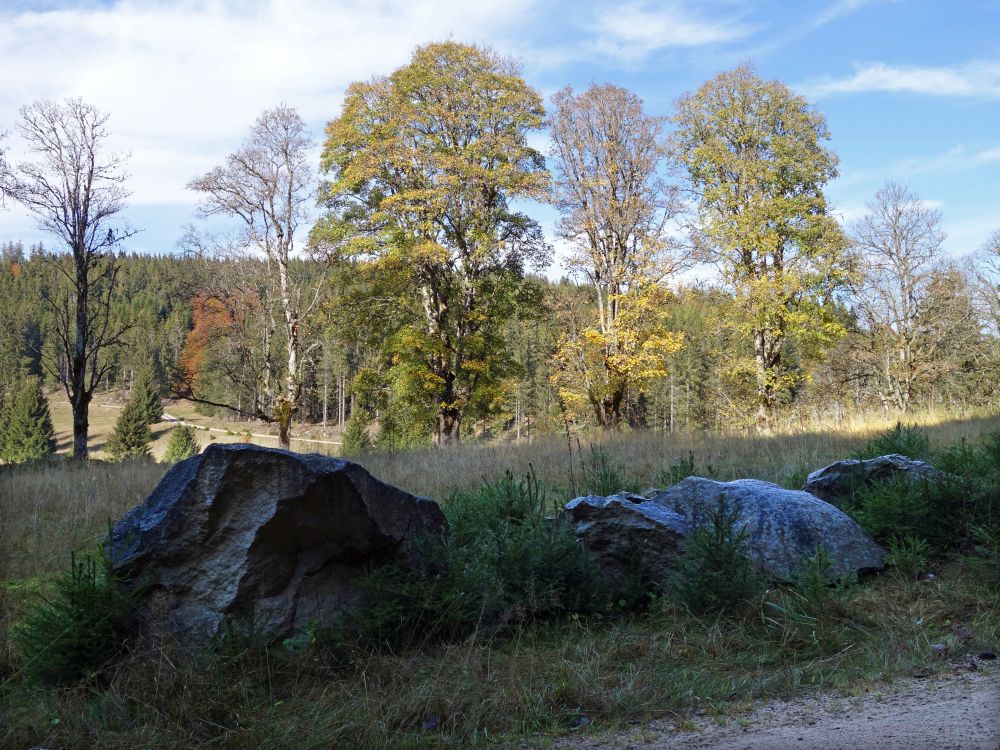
(910,88)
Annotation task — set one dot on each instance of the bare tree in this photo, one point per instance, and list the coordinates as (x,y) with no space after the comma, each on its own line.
(75,191)
(984,267)
(900,244)
(267,186)
(615,207)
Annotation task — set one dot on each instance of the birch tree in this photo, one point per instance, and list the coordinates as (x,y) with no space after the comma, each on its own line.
(267,187)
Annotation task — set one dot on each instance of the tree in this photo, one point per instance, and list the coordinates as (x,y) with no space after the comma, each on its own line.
(27,426)
(899,243)
(754,156)
(424,165)
(615,208)
(267,186)
(183,444)
(146,392)
(131,436)
(985,271)
(75,191)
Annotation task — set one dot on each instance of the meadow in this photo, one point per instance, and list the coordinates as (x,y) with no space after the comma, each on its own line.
(535,678)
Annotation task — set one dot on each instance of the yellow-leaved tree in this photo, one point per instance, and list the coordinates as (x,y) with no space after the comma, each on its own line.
(608,157)
(422,167)
(754,155)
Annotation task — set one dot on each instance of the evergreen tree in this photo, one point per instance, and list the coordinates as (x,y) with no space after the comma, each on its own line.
(132,435)
(146,392)
(27,427)
(182,444)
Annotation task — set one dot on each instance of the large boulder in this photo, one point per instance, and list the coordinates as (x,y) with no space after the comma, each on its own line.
(784,527)
(262,536)
(839,481)
(626,533)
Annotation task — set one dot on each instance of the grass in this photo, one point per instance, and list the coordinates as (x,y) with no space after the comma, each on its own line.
(521,687)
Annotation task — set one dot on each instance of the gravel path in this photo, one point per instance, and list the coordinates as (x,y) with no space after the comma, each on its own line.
(959,712)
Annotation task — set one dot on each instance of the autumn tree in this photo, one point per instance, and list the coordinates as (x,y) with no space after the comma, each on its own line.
(756,162)
(267,187)
(423,167)
(614,207)
(75,190)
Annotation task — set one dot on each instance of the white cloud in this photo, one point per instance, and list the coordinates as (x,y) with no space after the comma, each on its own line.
(841,8)
(975,79)
(183,80)
(632,31)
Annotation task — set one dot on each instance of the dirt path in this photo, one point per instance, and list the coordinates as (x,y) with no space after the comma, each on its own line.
(955,713)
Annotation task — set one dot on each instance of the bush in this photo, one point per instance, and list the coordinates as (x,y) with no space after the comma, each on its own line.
(74,632)
(906,440)
(908,555)
(715,575)
(183,444)
(356,440)
(602,476)
(503,562)
(677,472)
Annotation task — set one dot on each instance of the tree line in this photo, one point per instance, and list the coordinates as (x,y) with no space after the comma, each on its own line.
(414,309)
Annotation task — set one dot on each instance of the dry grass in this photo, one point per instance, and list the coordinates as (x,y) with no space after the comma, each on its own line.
(516,691)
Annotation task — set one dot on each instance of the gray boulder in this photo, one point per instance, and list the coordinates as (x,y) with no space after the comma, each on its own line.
(784,527)
(622,532)
(260,535)
(839,481)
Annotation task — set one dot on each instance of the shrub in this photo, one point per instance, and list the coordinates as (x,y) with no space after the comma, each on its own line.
(909,555)
(715,575)
(602,476)
(503,562)
(985,557)
(906,440)
(356,440)
(76,630)
(677,472)
(183,444)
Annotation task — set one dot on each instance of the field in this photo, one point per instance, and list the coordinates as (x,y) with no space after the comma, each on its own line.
(105,408)
(521,687)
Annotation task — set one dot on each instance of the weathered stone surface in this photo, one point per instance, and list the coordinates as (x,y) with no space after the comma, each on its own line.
(624,531)
(784,527)
(266,535)
(839,481)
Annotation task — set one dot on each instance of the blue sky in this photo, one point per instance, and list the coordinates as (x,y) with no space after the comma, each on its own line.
(910,88)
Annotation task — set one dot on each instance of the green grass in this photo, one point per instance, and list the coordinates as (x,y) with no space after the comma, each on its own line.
(519,684)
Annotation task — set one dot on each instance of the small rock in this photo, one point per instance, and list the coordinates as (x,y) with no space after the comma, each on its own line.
(579,722)
(433,723)
(939,649)
(839,481)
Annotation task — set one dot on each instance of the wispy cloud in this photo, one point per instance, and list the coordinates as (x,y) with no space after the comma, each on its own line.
(975,79)
(632,31)
(842,8)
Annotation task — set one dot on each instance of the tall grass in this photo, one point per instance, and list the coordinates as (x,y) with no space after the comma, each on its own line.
(486,686)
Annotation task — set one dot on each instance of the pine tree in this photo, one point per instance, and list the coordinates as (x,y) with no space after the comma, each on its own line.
(182,444)
(146,392)
(27,428)
(132,435)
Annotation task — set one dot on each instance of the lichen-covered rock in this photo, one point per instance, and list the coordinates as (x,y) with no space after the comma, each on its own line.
(839,481)
(263,536)
(784,527)
(624,533)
